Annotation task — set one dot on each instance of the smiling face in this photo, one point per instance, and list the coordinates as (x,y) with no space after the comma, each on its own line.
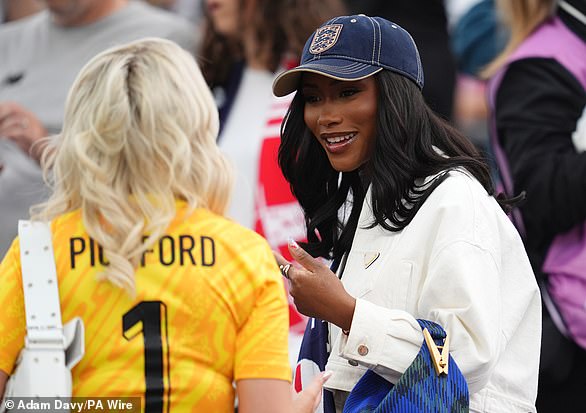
(342,117)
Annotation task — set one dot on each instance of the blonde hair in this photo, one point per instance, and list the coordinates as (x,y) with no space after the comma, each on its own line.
(521,17)
(139,132)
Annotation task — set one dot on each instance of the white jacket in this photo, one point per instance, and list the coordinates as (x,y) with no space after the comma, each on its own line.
(462,264)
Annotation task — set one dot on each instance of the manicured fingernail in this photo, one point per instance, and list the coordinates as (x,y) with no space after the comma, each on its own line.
(326,375)
(292,243)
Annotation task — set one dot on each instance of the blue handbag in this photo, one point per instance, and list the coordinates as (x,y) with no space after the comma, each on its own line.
(433,383)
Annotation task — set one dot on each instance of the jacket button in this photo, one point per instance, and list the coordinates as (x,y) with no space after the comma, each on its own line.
(353,363)
(362,350)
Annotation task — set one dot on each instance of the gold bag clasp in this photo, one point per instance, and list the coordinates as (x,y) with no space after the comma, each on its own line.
(439,359)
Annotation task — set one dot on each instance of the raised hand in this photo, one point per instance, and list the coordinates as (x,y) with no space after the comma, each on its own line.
(22,127)
(316,290)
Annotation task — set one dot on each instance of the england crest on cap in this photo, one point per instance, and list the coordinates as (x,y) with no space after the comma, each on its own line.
(325,37)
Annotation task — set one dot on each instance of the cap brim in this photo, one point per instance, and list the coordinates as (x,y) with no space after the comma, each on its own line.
(288,81)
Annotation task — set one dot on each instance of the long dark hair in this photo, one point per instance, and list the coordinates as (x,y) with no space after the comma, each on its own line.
(412,143)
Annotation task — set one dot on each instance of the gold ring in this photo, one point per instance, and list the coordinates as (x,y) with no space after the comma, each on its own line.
(285,270)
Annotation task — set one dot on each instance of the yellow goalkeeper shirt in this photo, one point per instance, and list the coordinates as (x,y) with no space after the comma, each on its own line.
(210,309)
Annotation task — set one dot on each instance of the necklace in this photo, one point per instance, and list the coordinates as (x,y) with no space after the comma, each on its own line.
(573,11)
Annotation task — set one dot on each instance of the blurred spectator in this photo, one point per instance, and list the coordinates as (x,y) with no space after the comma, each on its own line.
(476,39)
(246,43)
(538,98)
(427,22)
(11,10)
(40,57)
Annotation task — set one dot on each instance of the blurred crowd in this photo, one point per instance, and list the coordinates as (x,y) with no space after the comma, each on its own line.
(457,39)
(242,45)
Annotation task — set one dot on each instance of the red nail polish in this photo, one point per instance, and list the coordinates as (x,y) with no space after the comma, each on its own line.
(293,244)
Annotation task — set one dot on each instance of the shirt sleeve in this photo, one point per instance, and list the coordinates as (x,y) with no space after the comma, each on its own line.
(461,293)
(12,316)
(262,340)
(538,105)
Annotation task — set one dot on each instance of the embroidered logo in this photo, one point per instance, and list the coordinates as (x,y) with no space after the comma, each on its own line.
(325,38)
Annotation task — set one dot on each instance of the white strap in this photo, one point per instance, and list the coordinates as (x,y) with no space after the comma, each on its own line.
(39,282)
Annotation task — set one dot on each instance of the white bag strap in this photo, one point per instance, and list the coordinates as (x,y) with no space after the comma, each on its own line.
(39,282)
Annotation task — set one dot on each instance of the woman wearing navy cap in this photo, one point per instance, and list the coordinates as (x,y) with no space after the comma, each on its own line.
(405,207)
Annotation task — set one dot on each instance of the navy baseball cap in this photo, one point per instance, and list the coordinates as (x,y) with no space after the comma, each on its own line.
(354,48)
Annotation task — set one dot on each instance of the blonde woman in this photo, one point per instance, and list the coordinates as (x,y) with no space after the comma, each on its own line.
(538,103)
(178,302)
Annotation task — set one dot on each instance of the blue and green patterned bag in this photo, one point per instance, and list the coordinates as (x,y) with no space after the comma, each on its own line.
(421,389)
